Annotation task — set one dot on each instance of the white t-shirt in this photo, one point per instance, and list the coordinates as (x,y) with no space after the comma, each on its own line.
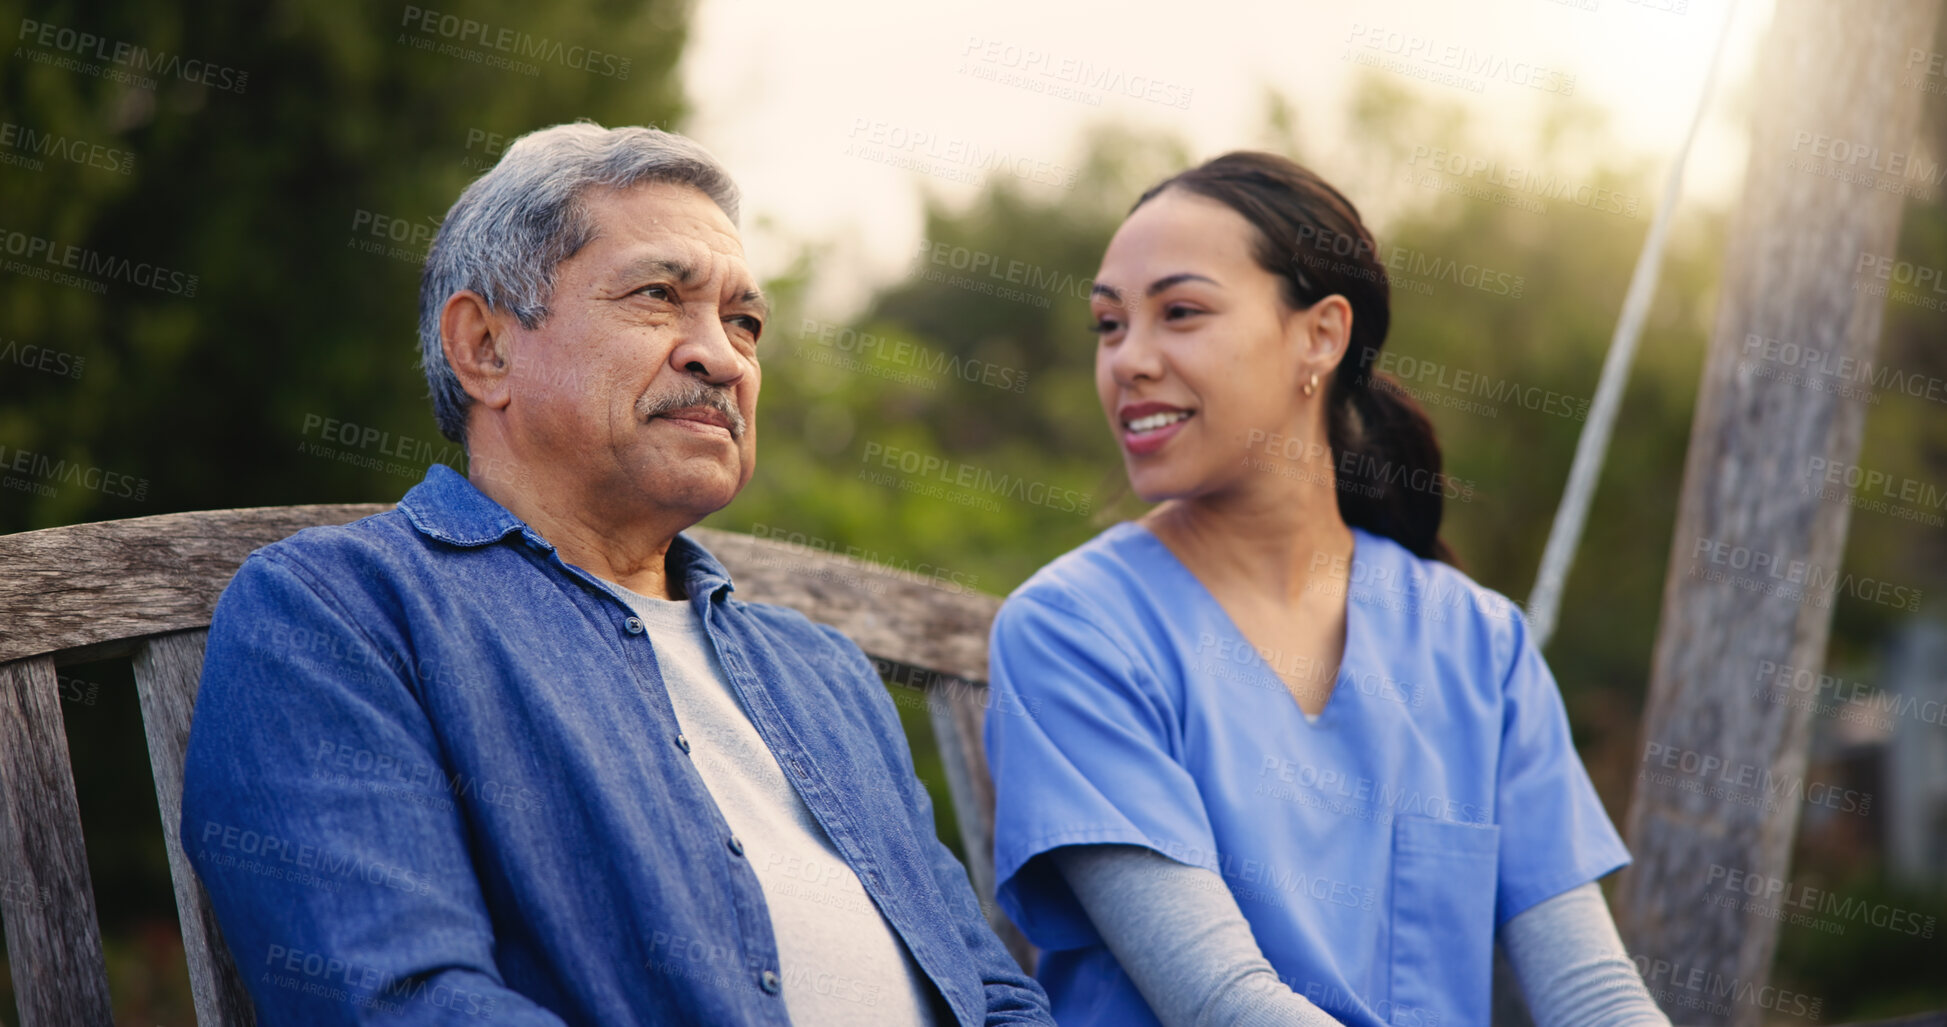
(841,961)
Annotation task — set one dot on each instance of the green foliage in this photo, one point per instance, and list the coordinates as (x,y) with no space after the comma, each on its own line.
(204,398)
(258,194)
(212,399)
(1868,947)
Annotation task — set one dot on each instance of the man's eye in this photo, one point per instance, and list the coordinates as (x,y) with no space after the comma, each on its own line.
(751,324)
(659,292)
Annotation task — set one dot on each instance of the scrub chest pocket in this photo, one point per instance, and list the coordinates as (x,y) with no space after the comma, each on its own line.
(1444,878)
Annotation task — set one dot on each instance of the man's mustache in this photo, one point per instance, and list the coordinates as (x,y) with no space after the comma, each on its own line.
(693,393)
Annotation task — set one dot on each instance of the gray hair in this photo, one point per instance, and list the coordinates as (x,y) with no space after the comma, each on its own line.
(509,230)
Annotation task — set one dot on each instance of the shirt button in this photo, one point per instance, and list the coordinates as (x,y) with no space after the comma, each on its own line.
(682,741)
(633,625)
(736,845)
(771,982)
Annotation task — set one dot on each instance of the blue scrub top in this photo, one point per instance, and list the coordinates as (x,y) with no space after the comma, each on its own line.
(1374,852)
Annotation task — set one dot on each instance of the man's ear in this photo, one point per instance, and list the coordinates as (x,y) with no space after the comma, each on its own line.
(478,344)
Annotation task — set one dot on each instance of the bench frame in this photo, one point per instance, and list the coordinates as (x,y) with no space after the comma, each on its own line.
(144,588)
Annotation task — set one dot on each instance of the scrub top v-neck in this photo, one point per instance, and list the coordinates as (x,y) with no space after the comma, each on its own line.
(1374,851)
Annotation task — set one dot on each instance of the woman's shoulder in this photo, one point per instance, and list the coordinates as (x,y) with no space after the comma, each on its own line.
(1444,598)
(1095,582)
(1110,558)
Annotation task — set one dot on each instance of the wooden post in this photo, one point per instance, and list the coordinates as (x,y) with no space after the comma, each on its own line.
(1754,563)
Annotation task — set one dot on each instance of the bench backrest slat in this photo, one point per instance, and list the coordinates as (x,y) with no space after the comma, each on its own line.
(167,671)
(957,714)
(53,938)
(97,587)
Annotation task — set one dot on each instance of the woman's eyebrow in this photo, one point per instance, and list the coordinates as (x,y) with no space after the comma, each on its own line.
(1115,296)
(1176,279)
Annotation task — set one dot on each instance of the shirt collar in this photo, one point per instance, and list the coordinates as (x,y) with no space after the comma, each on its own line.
(448,507)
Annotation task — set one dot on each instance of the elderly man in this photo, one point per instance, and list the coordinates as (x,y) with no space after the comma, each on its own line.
(513,752)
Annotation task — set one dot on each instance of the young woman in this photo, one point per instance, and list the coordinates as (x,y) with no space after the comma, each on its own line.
(1285,763)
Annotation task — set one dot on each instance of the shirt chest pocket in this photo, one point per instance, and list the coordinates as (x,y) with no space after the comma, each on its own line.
(1442,919)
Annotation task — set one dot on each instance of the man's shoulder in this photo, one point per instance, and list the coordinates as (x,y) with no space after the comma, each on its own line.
(367,550)
(342,592)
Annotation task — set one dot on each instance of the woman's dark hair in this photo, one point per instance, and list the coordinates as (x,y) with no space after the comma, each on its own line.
(1384,454)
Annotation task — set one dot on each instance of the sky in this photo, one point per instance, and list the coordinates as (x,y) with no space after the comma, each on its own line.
(839,127)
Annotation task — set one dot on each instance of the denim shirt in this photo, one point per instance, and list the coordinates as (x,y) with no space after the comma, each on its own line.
(433,777)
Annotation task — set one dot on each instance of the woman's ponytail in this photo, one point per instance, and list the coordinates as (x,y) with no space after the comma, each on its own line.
(1387,463)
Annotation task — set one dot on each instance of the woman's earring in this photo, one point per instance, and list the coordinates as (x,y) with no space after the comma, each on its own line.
(1312,386)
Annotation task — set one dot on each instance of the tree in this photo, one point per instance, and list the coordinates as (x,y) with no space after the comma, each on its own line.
(1754,565)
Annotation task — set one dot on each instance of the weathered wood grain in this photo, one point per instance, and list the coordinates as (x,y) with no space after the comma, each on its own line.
(891,615)
(53,938)
(105,584)
(1792,274)
(958,710)
(167,670)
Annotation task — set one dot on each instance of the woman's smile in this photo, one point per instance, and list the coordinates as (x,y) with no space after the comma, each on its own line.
(1148,426)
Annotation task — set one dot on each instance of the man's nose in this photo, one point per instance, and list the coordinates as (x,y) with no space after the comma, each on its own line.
(707,353)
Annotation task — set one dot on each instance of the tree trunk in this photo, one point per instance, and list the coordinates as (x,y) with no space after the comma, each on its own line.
(1754,563)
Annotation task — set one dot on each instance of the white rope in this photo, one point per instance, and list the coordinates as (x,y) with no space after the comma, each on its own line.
(1544,603)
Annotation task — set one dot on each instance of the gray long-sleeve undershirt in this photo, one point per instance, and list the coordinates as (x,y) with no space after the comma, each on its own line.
(1180,936)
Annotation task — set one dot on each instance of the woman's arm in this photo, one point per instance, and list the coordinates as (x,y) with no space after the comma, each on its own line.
(1180,937)
(1573,967)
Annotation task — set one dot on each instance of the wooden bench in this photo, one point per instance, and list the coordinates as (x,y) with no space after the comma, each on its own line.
(144,588)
